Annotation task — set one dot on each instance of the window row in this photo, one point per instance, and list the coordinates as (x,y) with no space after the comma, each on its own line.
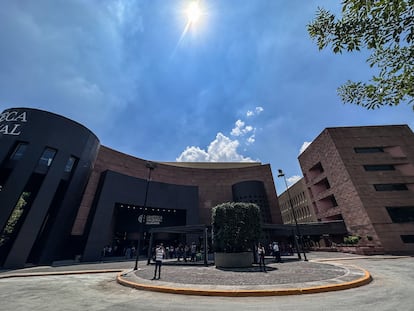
(301,213)
(45,160)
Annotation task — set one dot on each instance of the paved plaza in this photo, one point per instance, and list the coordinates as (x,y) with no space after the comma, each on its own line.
(94,287)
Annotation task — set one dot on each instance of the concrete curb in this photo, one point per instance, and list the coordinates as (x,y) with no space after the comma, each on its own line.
(247,293)
(34,274)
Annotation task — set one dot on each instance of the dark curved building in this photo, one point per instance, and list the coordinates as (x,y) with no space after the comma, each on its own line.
(62,194)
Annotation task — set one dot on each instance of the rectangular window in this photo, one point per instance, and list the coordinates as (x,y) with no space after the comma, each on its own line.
(368,149)
(45,160)
(70,164)
(390,187)
(317,168)
(19,151)
(400,214)
(379,167)
(47,157)
(407,238)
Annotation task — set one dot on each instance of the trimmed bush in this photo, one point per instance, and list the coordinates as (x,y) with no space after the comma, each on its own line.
(236,227)
(352,240)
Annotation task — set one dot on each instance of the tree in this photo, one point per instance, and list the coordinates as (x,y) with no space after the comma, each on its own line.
(385,27)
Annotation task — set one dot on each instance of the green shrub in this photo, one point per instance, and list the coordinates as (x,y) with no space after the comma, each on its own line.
(236,227)
(352,239)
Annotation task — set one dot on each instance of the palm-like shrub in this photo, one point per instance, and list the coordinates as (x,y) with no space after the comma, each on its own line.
(236,227)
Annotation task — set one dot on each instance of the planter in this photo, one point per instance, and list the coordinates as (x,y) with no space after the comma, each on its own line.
(362,250)
(233,260)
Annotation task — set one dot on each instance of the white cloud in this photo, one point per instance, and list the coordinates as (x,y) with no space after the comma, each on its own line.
(241,129)
(258,110)
(238,130)
(293,179)
(222,149)
(251,139)
(304,146)
(248,128)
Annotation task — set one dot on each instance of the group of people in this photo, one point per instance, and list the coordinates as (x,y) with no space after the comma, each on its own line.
(182,251)
(261,253)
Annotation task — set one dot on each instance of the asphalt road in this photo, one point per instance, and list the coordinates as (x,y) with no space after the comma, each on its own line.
(391,289)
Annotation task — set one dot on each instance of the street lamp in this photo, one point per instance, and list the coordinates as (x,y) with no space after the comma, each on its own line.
(281,174)
(150,166)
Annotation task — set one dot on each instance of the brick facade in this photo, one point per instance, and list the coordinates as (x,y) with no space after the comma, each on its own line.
(214,181)
(342,182)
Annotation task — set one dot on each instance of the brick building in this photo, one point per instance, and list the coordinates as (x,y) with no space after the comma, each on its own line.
(301,204)
(365,176)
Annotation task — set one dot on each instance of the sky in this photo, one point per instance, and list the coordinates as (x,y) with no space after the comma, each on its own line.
(242,83)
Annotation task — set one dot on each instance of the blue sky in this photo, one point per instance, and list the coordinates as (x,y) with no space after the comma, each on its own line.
(243,83)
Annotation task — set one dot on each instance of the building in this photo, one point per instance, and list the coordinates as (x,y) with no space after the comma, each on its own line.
(365,176)
(296,201)
(63,194)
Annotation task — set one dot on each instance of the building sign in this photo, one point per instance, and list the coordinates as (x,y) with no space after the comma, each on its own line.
(154,220)
(151,219)
(11,121)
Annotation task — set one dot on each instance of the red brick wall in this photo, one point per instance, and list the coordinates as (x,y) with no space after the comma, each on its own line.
(214,184)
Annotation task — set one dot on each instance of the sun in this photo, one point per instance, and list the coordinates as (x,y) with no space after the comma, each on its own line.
(193,12)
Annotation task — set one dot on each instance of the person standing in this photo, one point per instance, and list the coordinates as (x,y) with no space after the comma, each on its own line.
(159,255)
(276,252)
(193,251)
(261,252)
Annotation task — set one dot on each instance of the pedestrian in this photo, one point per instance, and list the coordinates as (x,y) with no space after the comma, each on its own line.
(276,252)
(261,252)
(193,251)
(128,253)
(186,251)
(159,255)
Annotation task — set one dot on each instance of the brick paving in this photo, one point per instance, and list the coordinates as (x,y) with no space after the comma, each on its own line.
(277,273)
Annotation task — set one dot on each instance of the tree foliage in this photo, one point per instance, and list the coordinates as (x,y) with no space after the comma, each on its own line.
(236,226)
(14,218)
(386,28)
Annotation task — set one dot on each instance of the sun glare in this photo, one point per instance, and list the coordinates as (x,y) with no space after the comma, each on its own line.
(193,12)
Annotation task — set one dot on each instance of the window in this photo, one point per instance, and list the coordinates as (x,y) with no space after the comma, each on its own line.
(333,200)
(390,187)
(407,238)
(70,164)
(47,157)
(401,214)
(45,161)
(317,167)
(19,151)
(368,149)
(379,167)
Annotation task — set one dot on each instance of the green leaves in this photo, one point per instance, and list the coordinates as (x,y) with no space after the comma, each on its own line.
(387,28)
(236,226)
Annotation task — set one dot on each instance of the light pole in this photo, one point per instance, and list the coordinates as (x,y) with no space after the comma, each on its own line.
(150,166)
(281,174)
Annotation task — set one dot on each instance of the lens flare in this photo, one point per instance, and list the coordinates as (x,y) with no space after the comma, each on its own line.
(193,12)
